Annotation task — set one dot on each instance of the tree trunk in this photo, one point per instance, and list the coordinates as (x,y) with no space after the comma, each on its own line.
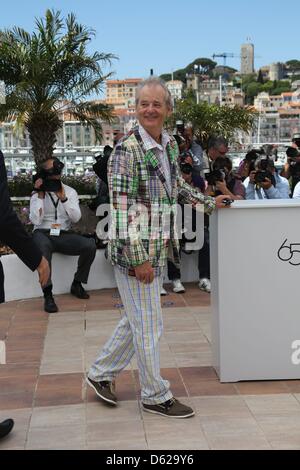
(42,128)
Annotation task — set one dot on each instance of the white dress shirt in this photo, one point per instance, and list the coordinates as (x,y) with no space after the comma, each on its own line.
(42,211)
(160,151)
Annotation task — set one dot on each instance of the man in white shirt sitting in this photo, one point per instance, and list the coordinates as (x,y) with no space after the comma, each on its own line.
(53,207)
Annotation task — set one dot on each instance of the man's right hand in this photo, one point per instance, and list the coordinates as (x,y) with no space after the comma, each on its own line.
(44,271)
(144,273)
(38,183)
(219,201)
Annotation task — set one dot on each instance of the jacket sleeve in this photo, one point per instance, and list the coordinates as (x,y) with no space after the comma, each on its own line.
(280,191)
(12,232)
(189,195)
(123,185)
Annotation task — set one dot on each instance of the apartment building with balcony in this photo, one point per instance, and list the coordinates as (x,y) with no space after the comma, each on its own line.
(121,93)
(279,115)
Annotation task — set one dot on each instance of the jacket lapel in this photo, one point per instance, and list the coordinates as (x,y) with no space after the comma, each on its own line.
(172,151)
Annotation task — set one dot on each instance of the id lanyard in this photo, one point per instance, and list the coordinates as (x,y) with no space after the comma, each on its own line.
(55,205)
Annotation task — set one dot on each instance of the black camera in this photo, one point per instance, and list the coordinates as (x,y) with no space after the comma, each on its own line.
(180,127)
(186,168)
(261,175)
(214,176)
(49,185)
(292,154)
(263,172)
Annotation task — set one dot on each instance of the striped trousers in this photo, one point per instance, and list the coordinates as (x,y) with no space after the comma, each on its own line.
(138,331)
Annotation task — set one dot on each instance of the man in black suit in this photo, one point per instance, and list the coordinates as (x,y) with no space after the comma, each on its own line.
(13,234)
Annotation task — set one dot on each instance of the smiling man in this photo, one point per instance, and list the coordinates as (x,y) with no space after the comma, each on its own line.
(143,171)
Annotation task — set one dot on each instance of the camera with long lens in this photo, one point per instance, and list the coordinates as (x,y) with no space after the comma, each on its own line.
(214,176)
(49,185)
(263,173)
(294,165)
(186,168)
(179,127)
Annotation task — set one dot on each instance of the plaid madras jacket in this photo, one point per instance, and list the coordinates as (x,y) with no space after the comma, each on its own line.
(143,212)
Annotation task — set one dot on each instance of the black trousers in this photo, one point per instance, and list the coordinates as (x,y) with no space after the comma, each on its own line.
(2,297)
(203,261)
(204,258)
(72,244)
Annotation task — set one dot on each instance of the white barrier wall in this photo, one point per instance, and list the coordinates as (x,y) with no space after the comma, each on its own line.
(21,283)
(255,271)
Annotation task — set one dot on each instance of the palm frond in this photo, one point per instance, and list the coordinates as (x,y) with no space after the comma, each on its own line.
(46,67)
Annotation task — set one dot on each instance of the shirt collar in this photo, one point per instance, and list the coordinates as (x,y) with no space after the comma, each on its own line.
(150,143)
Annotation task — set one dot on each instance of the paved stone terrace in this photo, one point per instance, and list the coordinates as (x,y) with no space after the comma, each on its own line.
(42,383)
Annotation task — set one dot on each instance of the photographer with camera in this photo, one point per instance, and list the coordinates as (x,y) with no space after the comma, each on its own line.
(293,161)
(248,163)
(290,168)
(265,183)
(220,180)
(53,207)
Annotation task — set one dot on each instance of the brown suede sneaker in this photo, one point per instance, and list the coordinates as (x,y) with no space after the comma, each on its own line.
(104,390)
(171,408)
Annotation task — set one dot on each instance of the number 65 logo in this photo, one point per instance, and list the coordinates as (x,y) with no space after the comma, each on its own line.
(290,253)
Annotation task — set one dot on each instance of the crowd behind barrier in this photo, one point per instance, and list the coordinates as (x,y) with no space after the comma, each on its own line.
(209,171)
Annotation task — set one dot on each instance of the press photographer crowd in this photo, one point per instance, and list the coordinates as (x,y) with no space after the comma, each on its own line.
(54,206)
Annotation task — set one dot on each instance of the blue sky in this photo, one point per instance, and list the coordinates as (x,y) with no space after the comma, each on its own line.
(168,34)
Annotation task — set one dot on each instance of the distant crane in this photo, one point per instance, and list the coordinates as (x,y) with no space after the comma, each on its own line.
(230,54)
(225,55)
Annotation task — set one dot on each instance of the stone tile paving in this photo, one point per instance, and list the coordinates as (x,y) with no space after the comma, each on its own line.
(42,384)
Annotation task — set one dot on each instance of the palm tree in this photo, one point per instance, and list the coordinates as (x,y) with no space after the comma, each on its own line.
(210,119)
(48,73)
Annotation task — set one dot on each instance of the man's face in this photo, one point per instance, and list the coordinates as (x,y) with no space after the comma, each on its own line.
(187,177)
(152,109)
(215,152)
(188,135)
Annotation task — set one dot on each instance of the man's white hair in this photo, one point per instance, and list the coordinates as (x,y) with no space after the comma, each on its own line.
(154,81)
